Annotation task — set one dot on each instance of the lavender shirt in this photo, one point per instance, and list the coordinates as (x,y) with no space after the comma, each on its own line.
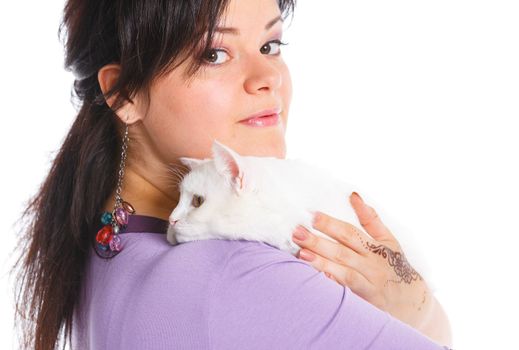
(223,294)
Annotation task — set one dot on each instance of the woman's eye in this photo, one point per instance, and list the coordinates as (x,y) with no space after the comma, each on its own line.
(213,55)
(197,201)
(266,49)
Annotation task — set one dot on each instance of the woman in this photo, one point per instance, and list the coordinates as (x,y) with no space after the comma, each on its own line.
(158,80)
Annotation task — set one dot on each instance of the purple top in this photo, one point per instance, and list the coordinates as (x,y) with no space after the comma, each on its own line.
(223,294)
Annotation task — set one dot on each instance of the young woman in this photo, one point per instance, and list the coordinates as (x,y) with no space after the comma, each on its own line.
(158,80)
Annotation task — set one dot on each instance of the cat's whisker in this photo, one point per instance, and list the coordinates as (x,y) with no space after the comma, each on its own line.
(180,166)
(186,225)
(175,167)
(171,169)
(177,173)
(173,179)
(171,183)
(177,179)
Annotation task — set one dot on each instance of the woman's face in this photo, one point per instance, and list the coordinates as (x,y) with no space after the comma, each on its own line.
(244,76)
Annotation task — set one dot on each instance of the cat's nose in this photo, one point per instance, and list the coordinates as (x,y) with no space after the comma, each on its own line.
(173,222)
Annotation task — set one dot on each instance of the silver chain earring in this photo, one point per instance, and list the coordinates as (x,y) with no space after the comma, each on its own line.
(107,238)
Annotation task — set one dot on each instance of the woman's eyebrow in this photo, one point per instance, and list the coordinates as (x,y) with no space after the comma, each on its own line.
(236,31)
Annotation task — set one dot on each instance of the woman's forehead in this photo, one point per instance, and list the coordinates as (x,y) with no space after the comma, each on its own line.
(243,15)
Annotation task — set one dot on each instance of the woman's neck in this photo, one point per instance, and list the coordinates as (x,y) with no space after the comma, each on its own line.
(146,198)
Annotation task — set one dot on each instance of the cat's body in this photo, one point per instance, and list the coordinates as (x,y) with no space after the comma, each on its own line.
(276,196)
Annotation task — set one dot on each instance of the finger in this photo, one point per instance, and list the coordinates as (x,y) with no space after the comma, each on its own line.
(330,276)
(339,253)
(369,219)
(342,232)
(327,274)
(336,252)
(343,275)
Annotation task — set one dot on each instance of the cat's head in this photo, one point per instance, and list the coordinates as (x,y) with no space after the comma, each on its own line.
(211,193)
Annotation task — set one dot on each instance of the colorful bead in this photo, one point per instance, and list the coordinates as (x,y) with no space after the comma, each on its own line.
(115,244)
(106,218)
(104,235)
(121,216)
(128,207)
(102,247)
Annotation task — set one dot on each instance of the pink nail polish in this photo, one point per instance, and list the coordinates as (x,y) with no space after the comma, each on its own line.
(303,254)
(299,234)
(315,218)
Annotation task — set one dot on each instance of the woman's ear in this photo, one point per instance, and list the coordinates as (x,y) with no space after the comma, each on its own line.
(107,77)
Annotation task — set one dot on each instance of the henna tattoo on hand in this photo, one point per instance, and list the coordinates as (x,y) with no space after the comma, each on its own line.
(423,300)
(398,261)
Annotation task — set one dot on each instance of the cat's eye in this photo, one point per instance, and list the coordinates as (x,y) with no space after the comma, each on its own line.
(197,201)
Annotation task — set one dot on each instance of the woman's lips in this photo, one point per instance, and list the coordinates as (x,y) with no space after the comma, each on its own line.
(267,120)
(267,117)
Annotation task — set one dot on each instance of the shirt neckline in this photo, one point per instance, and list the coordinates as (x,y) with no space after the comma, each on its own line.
(143,223)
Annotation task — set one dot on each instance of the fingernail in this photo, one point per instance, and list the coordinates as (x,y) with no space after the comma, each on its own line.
(358,196)
(299,234)
(303,254)
(315,218)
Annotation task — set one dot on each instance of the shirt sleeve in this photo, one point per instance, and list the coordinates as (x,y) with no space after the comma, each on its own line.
(265,298)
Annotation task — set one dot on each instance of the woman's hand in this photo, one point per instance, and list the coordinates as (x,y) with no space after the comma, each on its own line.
(373,266)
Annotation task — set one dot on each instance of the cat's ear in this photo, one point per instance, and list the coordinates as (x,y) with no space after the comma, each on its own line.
(229,164)
(190,162)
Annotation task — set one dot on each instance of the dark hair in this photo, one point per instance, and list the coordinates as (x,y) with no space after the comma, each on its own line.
(148,38)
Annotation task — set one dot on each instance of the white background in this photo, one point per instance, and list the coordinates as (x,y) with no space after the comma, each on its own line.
(415,102)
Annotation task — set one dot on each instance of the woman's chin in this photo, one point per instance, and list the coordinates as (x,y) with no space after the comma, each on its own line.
(268,147)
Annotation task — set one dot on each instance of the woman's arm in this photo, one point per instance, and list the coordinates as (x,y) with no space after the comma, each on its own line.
(432,321)
(265,298)
(374,266)
(436,324)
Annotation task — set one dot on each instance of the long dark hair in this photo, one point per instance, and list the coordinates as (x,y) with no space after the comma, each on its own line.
(148,38)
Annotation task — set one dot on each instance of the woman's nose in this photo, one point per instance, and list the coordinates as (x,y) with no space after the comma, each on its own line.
(262,75)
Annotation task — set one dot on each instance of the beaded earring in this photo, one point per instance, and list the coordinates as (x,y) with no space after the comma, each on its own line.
(108,243)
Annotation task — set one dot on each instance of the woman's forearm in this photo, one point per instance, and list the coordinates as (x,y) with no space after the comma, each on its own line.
(436,325)
(430,318)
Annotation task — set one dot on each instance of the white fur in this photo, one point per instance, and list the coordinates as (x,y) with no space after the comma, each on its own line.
(277,195)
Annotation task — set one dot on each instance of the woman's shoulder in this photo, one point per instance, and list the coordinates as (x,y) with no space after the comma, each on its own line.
(149,262)
(153,295)
(208,255)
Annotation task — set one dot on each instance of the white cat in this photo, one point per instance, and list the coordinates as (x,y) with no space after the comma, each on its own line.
(234,197)
(254,198)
